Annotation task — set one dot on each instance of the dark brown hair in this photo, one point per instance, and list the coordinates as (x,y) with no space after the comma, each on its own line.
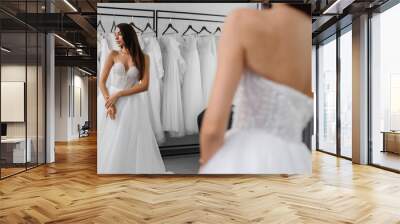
(302,7)
(132,44)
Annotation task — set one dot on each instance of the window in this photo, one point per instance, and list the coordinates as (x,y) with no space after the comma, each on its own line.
(327,95)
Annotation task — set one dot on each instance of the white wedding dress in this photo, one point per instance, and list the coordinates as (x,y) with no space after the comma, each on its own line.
(152,48)
(126,145)
(266,134)
(171,105)
(208,62)
(192,93)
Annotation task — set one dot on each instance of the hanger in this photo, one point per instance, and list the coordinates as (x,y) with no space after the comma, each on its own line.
(114,26)
(205,28)
(148,26)
(134,26)
(190,28)
(216,30)
(101,26)
(170,26)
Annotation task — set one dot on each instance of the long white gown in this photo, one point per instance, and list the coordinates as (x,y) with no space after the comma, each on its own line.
(104,52)
(208,62)
(152,48)
(192,95)
(126,145)
(174,66)
(266,134)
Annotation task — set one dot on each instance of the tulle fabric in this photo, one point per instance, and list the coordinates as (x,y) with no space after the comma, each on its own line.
(126,145)
(192,95)
(152,49)
(258,152)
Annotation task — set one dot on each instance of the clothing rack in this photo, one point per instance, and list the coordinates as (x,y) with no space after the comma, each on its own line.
(187,19)
(153,16)
(182,149)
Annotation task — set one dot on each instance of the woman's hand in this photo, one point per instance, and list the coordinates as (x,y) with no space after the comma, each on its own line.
(111,111)
(112,99)
(210,143)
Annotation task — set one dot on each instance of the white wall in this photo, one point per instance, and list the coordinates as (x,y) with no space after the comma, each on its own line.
(66,100)
(16,72)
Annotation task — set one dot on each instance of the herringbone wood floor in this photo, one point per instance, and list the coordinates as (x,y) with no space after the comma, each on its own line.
(70,191)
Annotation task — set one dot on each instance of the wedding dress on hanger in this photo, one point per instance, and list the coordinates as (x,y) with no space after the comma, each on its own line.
(152,48)
(174,66)
(208,62)
(192,92)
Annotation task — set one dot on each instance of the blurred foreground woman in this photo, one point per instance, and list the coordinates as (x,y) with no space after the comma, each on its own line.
(264,60)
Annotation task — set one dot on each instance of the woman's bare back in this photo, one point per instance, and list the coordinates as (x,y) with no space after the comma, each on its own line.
(274,43)
(277,45)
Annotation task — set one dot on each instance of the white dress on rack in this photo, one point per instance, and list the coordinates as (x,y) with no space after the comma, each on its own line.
(174,66)
(192,92)
(152,48)
(208,62)
(126,145)
(112,43)
(141,41)
(266,137)
(104,52)
(100,37)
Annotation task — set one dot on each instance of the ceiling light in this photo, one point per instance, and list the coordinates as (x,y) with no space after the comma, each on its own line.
(5,49)
(84,71)
(70,5)
(65,41)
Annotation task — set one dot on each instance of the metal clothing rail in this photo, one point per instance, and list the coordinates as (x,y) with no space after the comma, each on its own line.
(187,19)
(153,16)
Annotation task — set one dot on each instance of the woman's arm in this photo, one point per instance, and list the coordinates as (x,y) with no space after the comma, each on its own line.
(141,86)
(229,70)
(105,73)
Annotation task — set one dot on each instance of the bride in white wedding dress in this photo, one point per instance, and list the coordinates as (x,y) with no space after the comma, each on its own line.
(125,139)
(266,56)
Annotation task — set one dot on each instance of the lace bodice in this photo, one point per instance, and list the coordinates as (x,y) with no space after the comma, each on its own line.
(121,79)
(275,108)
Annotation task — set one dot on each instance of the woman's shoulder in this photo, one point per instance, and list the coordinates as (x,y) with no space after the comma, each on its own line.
(114,53)
(246,20)
(244,15)
(243,12)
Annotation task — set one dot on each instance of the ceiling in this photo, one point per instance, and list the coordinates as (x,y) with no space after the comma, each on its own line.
(79,27)
(332,15)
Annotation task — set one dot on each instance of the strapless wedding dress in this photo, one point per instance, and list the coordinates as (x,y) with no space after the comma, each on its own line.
(126,145)
(266,134)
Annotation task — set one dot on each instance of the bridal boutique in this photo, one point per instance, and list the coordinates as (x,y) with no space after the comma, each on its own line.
(152,48)
(174,65)
(208,62)
(192,95)
(266,137)
(126,145)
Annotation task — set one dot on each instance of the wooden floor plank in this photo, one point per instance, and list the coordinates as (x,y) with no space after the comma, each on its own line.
(70,191)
